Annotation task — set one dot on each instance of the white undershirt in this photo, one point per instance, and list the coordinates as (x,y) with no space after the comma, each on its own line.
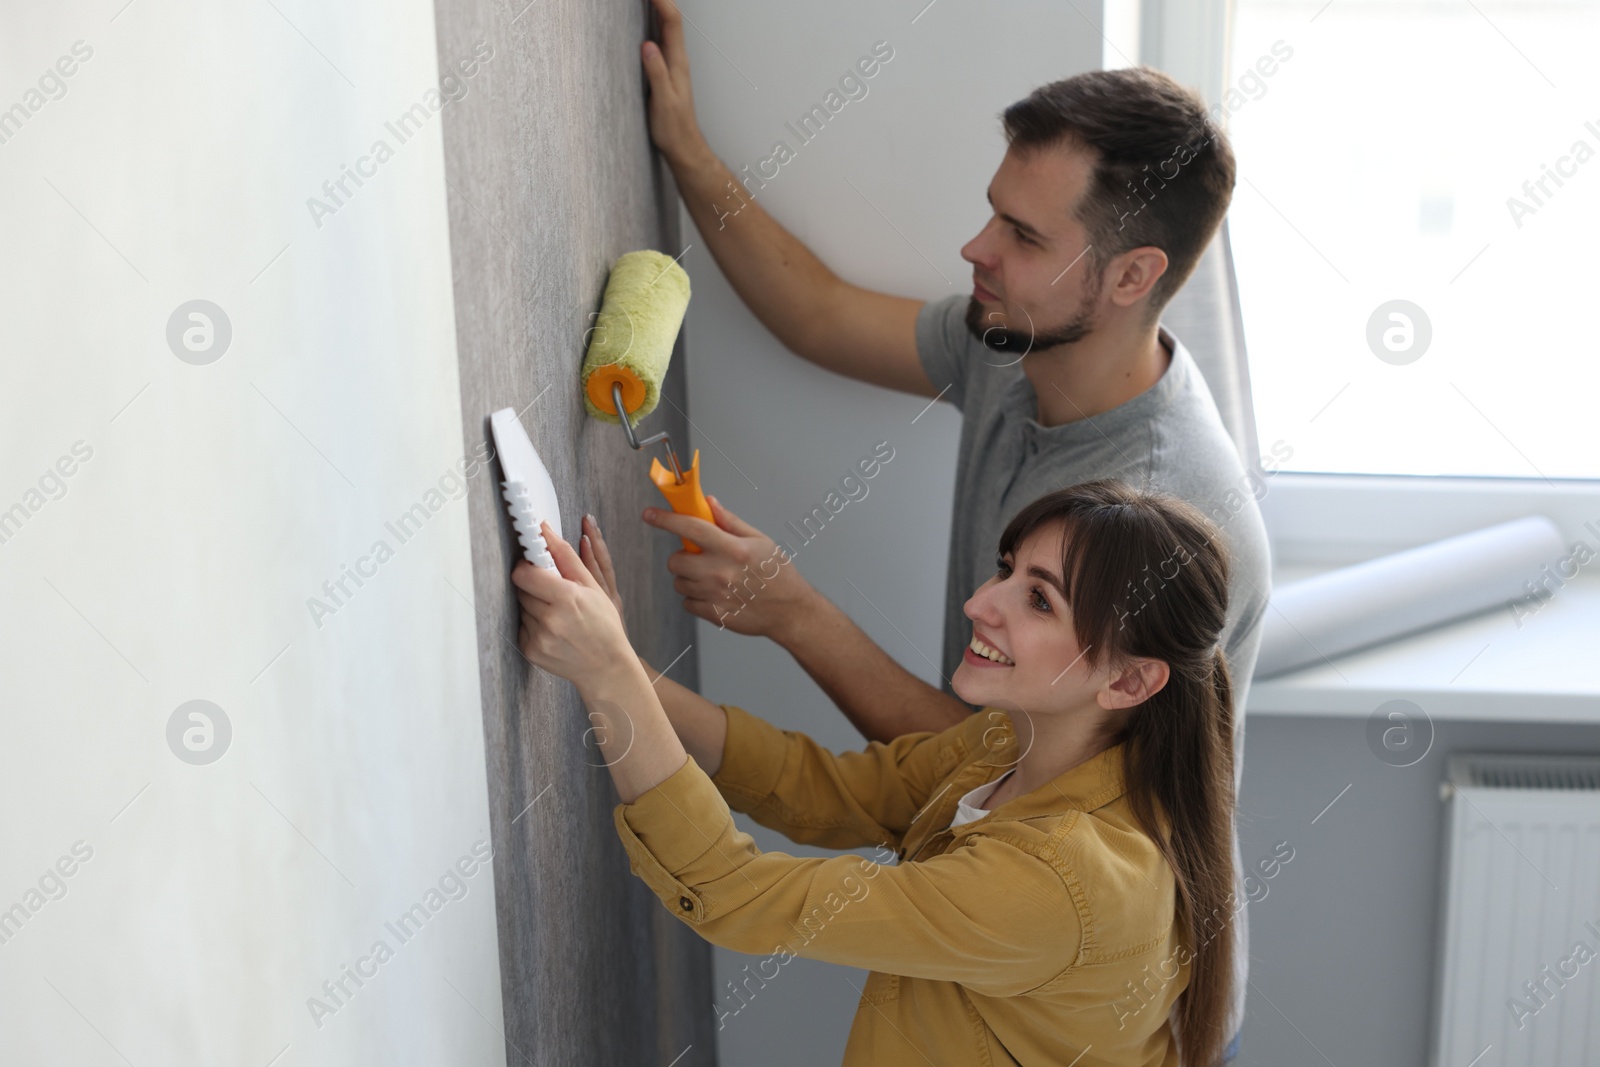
(971,807)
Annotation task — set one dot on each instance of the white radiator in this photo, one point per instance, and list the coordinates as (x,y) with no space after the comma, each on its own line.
(1518,983)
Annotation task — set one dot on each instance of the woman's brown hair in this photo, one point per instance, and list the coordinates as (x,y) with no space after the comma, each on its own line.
(1146,575)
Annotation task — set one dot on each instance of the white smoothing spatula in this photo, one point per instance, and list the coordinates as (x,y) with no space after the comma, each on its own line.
(529,492)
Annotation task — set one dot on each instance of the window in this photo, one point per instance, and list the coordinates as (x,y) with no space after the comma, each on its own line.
(1414,230)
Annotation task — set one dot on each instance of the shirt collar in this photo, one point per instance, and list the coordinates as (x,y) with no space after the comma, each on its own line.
(1094,783)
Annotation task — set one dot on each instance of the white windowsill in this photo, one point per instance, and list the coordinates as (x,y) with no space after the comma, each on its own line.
(1482,668)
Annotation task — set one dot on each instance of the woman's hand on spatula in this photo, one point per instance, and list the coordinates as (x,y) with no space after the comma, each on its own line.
(741,579)
(596,556)
(570,625)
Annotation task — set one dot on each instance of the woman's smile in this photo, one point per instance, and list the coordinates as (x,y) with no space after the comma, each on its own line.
(983,653)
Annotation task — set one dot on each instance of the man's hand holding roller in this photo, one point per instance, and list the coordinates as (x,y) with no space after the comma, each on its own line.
(743,581)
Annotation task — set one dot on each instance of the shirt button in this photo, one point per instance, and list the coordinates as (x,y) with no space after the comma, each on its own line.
(685,903)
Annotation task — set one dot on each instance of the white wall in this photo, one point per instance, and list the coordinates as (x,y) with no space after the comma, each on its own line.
(776,433)
(178,561)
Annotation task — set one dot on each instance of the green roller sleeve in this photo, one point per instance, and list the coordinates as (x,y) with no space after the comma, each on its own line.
(631,340)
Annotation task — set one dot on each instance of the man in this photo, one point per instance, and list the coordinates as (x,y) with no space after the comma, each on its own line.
(1111,187)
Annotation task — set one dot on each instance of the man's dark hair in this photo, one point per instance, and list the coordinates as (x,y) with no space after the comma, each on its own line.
(1163,170)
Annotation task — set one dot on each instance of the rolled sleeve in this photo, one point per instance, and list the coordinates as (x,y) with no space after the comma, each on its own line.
(671,829)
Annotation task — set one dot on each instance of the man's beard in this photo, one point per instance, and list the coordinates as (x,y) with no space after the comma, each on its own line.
(1018,343)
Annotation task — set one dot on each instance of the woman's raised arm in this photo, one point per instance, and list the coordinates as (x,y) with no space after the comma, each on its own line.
(701,725)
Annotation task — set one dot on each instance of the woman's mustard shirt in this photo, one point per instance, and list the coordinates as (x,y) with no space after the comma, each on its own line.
(1043,933)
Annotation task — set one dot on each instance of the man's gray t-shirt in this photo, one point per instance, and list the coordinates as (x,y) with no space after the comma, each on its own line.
(1169,438)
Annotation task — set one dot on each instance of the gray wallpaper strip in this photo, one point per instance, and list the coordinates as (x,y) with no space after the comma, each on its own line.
(551,177)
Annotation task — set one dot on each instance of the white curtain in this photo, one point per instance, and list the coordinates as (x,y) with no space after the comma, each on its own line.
(1205,316)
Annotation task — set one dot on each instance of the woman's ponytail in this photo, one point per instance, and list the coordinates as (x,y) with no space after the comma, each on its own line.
(1178,760)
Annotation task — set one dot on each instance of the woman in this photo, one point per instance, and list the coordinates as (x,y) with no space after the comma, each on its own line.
(1065,876)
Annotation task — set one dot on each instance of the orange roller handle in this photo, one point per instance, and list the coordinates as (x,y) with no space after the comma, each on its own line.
(685,499)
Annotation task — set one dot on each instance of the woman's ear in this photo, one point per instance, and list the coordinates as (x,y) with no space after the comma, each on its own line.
(1139,681)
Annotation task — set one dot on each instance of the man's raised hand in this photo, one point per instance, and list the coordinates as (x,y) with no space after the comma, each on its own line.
(741,579)
(673,126)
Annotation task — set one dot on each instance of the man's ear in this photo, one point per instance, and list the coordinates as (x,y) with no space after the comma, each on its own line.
(1138,682)
(1134,273)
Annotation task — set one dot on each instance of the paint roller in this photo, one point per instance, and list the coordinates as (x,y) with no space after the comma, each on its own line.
(630,346)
